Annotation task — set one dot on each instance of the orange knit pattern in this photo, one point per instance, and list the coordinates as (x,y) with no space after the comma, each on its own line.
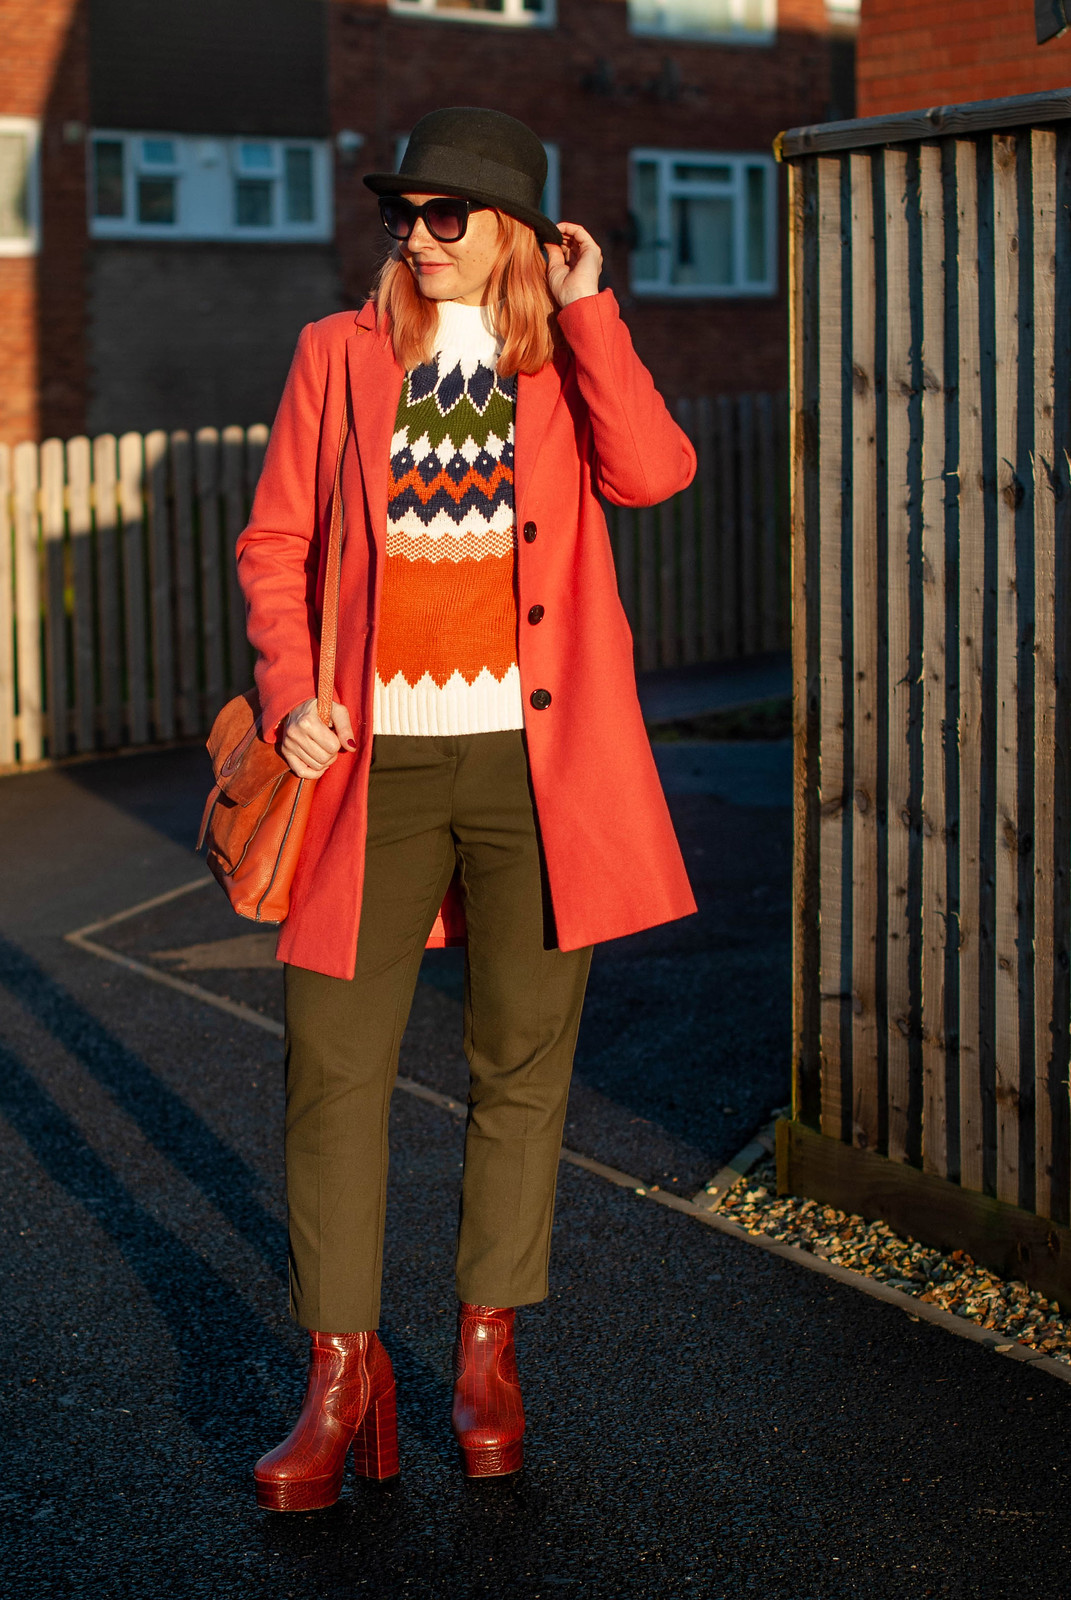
(443,617)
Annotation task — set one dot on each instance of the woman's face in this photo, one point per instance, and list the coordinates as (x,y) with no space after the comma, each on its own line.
(456,271)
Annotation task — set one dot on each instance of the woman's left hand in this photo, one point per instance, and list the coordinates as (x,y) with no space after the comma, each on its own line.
(573,272)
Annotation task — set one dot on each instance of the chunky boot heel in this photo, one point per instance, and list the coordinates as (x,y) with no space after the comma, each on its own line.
(488,1414)
(492,1460)
(349,1400)
(375,1444)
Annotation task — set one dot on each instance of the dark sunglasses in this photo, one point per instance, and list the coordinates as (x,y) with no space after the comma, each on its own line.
(446,219)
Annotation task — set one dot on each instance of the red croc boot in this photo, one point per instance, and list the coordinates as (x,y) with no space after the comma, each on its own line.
(488,1414)
(349,1401)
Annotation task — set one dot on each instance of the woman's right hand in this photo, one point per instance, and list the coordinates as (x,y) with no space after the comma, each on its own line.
(309,746)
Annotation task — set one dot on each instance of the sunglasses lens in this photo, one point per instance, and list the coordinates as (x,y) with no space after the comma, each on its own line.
(398,217)
(446,219)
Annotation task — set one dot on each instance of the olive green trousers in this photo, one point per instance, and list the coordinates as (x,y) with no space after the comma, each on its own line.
(433,804)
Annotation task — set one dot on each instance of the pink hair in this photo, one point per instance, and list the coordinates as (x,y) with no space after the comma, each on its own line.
(524,312)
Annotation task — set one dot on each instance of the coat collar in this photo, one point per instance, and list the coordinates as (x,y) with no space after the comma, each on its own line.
(375,384)
(537,395)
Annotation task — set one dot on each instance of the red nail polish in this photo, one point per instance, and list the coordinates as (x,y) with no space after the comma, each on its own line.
(351,744)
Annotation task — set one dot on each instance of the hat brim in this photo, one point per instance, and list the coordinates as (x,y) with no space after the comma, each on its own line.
(394,183)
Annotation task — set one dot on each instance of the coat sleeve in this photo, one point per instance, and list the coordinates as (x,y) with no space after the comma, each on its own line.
(277,552)
(642,455)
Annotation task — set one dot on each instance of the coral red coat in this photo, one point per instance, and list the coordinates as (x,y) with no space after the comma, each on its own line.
(591,423)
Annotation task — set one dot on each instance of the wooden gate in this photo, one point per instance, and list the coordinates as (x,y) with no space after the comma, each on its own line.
(931,413)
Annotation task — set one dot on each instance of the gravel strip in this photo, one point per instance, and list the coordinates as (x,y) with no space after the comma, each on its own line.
(952,1281)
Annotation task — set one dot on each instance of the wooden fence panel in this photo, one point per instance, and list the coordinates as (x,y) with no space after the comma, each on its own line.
(239,674)
(1006,930)
(161,581)
(109,588)
(972,585)
(710,642)
(932,513)
(28,604)
(207,454)
(54,529)
(934,817)
(728,530)
(689,554)
(187,706)
(865,577)
(138,633)
(1047,847)
(132,512)
(83,644)
(900,357)
(7,609)
(834,977)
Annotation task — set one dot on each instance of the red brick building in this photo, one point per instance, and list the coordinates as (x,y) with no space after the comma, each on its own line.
(180,181)
(913,53)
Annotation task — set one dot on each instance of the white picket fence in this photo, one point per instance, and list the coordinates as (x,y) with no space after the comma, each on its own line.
(121,621)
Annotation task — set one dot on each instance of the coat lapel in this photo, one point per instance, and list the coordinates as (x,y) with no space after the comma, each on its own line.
(375,382)
(537,395)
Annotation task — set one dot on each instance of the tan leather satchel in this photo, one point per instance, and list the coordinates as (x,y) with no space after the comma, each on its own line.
(254,819)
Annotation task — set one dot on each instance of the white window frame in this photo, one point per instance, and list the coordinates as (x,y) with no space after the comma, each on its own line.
(30,128)
(205,206)
(666,27)
(512,15)
(668,187)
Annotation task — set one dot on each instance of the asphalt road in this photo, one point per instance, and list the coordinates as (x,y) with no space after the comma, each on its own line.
(704,1420)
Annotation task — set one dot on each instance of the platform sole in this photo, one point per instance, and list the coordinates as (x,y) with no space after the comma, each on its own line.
(492,1461)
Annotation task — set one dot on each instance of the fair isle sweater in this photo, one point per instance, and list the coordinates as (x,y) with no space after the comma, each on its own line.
(446,658)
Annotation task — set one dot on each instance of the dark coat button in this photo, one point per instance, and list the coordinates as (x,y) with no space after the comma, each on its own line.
(535,615)
(540,699)
(530,531)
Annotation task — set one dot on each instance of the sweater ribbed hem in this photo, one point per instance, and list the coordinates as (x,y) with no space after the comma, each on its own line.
(487,705)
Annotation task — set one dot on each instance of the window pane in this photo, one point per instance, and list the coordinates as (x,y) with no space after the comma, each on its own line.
(253,202)
(684,16)
(109,198)
(257,158)
(757,243)
(705,172)
(702,242)
(14,193)
(298,173)
(158,152)
(156,200)
(647,259)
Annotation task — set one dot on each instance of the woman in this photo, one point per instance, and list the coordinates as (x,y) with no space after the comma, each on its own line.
(486,775)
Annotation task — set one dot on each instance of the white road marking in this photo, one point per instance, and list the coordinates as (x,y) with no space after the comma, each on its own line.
(916,1310)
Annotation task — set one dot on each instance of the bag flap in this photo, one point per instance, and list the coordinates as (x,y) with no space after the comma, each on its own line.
(243,764)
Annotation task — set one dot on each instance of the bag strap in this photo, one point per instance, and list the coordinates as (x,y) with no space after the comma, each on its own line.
(325,683)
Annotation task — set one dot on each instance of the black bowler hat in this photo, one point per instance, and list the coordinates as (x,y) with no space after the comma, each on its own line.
(479,155)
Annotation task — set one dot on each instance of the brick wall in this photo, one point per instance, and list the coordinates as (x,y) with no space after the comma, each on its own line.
(913,53)
(42,298)
(597,91)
